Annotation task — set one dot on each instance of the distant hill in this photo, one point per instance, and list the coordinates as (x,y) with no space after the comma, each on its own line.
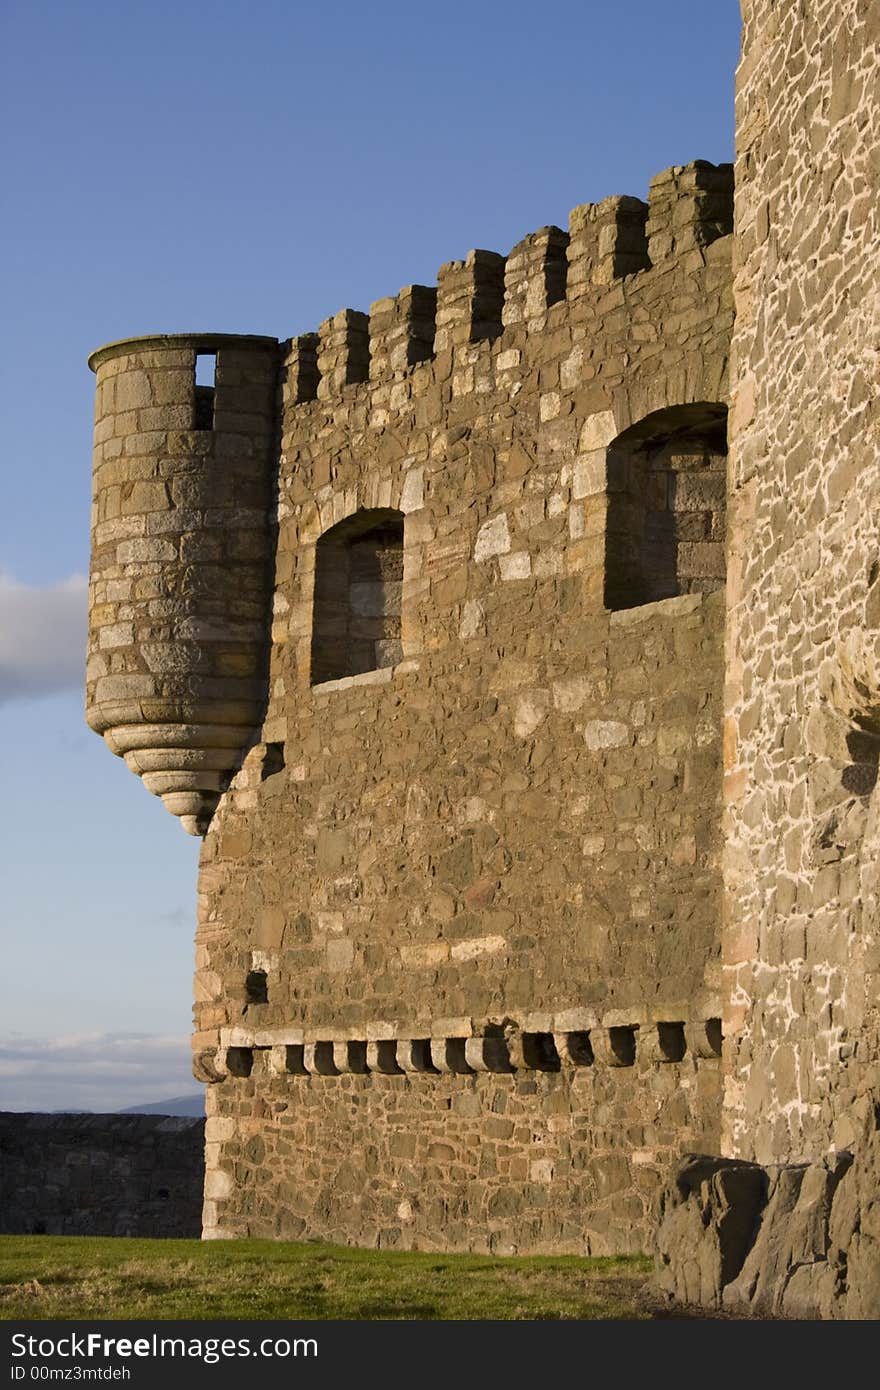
(180,1105)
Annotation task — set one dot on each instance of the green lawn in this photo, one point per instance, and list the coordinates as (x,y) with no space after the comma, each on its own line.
(80,1277)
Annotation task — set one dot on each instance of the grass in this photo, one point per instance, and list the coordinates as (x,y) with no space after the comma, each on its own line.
(81,1277)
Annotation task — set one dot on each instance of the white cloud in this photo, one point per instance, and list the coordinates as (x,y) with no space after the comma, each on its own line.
(42,636)
(93,1071)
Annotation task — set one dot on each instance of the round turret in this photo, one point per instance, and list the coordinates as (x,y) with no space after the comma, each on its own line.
(182,526)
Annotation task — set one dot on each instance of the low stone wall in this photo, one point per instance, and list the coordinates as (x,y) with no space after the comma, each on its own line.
(101,1175)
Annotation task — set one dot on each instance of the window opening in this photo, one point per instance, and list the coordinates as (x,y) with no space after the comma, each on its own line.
(206,381)
(667,479)
(256,987)
(358,593)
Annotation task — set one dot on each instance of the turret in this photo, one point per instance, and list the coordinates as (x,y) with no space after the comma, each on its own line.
(181,571)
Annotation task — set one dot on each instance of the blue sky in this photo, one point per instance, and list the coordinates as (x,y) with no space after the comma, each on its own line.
(240,167)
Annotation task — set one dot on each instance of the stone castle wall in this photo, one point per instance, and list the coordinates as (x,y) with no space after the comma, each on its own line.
(101,1175)
(796,1232)
(802,952)
(552,1162)
(467,876)
(463,950)
(498,855)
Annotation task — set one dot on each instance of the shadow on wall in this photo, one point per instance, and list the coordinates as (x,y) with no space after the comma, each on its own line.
(666,506)
(101,1175)
(358,586)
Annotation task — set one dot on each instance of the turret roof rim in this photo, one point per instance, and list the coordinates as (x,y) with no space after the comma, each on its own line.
(151,340)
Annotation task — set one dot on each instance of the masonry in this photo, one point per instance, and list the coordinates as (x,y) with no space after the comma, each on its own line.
(459,903)
(790,1222)
(100,1175)
(420,621)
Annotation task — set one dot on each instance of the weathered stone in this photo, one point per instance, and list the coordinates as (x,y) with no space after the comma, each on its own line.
(101,1175)
(492,672)
(797,1240)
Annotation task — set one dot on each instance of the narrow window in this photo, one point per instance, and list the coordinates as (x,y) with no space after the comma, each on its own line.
(667,479)
(256,987)
(206,381)
(358,588)
(273,761)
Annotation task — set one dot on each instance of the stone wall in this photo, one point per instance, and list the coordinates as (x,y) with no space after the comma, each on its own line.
(802,832)
(797,1233)
(101,1175)
(459,948)
(501,844)
(532,1160)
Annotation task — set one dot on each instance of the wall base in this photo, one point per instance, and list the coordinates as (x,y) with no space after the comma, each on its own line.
(547,1163)
(798,1240)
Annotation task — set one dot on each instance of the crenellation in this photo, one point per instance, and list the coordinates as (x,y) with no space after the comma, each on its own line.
(470,299)
(606,242)
(301,375)
(534,279)
(402,330)
(343,352)
(689,207)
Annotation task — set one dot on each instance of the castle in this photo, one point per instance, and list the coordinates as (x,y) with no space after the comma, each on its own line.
(514,649)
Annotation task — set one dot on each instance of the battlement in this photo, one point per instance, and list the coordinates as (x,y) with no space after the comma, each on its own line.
(186,470)
(487,296)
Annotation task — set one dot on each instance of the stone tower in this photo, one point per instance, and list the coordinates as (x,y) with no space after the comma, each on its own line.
(801,930)
(802,952)
(184,486)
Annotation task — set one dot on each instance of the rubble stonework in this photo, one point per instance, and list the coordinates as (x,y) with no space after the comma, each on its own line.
(100,1175)
(420,618)
(181,561)
(492,838)
(802,951)
(800,941)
